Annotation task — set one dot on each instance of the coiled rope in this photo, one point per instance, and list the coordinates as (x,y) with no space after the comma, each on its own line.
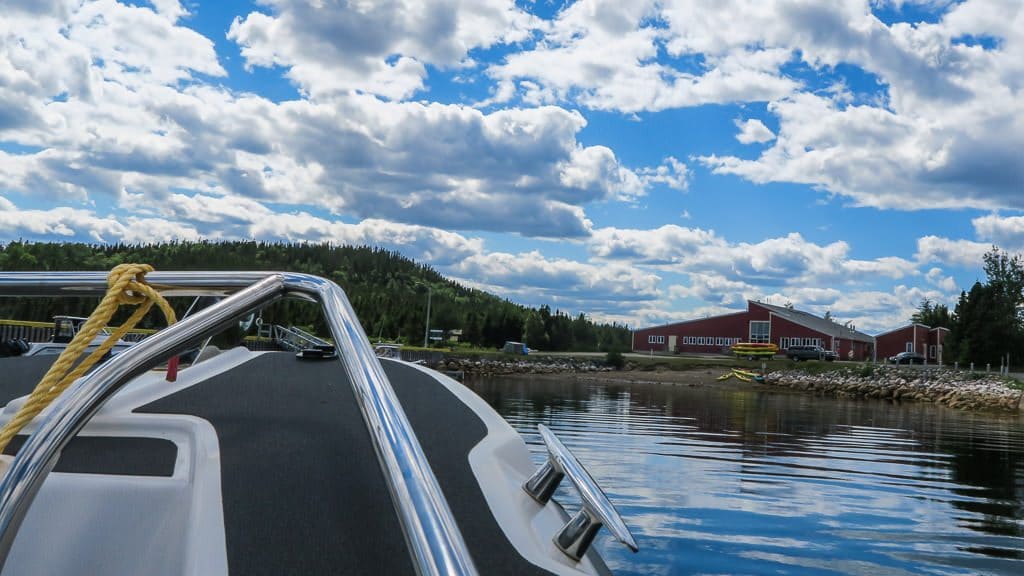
(126,285)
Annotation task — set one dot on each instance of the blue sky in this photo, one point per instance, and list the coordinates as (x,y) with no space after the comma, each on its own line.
(642,162)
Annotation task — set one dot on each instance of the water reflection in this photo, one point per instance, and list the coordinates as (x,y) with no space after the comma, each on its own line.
(731,481)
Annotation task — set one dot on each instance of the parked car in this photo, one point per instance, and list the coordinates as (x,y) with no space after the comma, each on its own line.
(798,353)
(907,358)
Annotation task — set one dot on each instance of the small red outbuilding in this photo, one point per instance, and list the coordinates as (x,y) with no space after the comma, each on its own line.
(924,340)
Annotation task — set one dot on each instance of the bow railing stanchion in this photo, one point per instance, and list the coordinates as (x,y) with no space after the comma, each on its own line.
(428,526)
(431,533)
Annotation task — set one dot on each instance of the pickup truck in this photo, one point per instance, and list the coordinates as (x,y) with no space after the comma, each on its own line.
(798,353)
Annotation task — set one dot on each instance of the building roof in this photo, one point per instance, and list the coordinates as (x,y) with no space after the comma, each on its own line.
(692,320)
(911,325)
(817,323)
(901,328)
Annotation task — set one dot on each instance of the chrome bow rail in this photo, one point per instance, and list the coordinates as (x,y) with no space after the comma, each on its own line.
(576,536)
(430,531)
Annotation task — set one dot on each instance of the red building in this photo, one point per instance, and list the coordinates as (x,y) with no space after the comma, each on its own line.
(919,338)
(759,323)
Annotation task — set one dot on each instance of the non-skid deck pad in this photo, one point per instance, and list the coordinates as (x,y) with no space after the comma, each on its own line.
(118,455)
(447,430)
(302,490)
(86,454)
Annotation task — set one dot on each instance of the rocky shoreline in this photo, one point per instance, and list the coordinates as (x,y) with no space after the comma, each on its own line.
(548,365)
(955,389)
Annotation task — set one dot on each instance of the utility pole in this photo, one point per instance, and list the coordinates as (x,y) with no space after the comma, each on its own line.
(426,330)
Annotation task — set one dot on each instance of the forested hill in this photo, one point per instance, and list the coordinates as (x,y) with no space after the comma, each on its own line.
(387,290)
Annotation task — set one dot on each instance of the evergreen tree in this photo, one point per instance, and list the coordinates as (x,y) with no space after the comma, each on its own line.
(583,335)
(986,323)
(533,332)
(932,314)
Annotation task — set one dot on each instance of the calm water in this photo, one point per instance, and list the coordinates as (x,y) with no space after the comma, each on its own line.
(725,481)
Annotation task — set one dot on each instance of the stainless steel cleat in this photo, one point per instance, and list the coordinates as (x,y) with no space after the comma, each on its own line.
(575,538)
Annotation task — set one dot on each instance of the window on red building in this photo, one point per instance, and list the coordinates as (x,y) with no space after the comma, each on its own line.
(760,331)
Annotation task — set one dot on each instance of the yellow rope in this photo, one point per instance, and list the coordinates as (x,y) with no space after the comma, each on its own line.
(126,286)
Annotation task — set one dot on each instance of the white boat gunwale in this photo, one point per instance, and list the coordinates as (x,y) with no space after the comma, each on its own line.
(431,533)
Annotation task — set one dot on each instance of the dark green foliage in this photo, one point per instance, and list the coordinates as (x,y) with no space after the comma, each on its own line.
(866,371)
(615,359)
(387,290)
(932,314)
(987,322)
(534,334)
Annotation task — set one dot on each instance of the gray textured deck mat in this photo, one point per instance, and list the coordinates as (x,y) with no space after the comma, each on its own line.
(302,490)
(120,455)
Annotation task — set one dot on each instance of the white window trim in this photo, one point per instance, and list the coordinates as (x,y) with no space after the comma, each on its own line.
(750,330)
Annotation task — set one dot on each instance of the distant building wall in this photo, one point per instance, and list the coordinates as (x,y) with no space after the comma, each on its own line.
(705,335)
(936,344)
(894,341)
(913,337)
(786,334)
(716,333)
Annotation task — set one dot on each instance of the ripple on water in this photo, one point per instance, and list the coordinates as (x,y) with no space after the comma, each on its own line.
(719,481)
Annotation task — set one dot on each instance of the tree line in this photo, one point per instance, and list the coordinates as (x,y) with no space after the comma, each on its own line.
(987,323)
(388,291)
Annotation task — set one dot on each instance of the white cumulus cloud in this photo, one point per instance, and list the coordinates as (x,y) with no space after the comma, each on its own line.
(1005,231)
(333,46)
(753,131)
(105,112)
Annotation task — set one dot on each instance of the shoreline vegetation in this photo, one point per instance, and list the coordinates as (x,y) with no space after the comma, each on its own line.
(390,293)
(940,385)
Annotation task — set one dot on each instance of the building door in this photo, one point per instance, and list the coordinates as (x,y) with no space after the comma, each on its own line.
(672,343)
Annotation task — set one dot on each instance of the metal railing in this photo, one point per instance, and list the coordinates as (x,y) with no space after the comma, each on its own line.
(22,332)
(295,339)
(434,540)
